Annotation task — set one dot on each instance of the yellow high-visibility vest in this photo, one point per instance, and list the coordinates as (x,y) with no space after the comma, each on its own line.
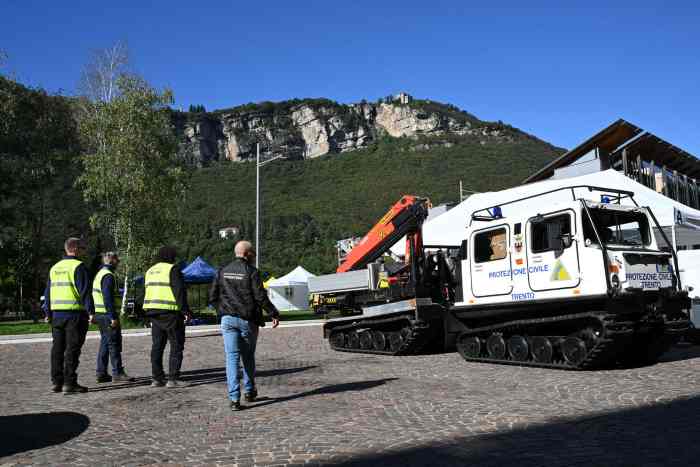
(97,296)
(64,294)
(159,292)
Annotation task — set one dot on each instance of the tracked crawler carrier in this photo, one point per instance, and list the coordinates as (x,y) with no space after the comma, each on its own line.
(571,278)
(395,308)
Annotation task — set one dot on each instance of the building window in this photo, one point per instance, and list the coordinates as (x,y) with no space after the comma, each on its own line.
(490,246)
(288,292)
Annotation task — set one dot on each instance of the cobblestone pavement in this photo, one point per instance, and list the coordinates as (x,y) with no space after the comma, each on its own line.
(325,407)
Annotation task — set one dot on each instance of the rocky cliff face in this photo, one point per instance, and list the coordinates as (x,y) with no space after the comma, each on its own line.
(303,129)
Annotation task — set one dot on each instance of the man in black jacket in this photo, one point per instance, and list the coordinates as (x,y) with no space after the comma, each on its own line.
(238,295)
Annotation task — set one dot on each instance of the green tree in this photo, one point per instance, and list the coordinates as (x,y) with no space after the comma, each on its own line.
(38,206)
(131,173)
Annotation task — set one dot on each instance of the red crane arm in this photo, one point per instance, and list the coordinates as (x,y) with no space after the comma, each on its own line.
(404,217)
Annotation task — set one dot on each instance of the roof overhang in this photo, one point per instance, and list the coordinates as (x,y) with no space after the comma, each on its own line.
(608,139)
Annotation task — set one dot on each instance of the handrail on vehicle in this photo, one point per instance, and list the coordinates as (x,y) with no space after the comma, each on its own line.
(622,194)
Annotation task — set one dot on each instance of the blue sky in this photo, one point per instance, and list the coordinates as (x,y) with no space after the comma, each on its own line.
(559,71)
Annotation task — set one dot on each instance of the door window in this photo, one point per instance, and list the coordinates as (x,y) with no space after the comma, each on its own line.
(490,246)
(491,270)
(546,235)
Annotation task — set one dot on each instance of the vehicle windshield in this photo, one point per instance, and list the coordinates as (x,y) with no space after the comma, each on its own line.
(619,227)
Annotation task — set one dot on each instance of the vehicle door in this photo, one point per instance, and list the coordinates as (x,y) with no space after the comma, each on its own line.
(491,272)
(552,251)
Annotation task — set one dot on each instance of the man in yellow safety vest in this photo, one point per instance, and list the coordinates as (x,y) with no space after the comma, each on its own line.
(165,304)
(107,315)
(68,307)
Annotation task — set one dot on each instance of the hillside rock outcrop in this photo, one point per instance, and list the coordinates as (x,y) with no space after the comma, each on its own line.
(309,128)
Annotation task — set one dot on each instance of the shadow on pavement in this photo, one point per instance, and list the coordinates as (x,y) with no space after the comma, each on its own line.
(217,375)
(331,389)
(681,351)
(140,381)
(659,435)
(213,333)
(20,433)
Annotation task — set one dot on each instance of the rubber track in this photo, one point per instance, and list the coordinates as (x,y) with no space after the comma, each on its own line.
(421,334)
(613,337)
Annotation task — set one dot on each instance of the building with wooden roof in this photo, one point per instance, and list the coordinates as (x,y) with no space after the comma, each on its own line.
(640,155)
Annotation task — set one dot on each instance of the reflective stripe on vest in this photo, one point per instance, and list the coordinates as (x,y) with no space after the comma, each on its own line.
(97,296)
(159,292)
(64,294)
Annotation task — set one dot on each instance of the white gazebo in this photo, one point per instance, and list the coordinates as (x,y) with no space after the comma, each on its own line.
(291,291)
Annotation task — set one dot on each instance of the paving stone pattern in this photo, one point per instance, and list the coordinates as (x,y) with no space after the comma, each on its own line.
(325,407)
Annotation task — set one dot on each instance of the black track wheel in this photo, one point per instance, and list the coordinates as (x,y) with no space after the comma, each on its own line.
(338,339)
(518,348)
(378,340)
(496,346)
(574,350)
(353,340)
(542,349)
(395,341)
(469,346)
(365,340)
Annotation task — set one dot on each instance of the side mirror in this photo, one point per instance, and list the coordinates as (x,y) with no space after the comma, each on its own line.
(463,249)
(566,240)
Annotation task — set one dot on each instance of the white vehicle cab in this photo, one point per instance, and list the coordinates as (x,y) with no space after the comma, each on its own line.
(572,283)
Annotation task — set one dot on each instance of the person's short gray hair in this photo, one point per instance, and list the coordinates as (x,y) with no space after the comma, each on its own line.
(73,243)
(108,256)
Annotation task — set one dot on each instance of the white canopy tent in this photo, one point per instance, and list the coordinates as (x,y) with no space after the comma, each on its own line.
(449,228)
(291,291)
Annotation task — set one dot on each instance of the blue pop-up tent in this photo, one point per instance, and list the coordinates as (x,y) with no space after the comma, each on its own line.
(199,272)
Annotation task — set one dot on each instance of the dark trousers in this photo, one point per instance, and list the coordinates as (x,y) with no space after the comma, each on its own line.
(167,327)
(68,339)
(110,346)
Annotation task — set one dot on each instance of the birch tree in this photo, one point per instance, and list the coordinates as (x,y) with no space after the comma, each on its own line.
(131,173)
(98,82)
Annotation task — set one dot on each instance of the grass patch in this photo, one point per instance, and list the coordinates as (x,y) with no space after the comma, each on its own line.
(29,327)
(9,328)
(297,315)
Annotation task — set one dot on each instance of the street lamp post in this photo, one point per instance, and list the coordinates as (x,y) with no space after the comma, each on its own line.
(257,206)
(462,192)
(259,164)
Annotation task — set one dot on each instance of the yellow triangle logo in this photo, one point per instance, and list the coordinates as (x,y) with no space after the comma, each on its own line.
(560,273)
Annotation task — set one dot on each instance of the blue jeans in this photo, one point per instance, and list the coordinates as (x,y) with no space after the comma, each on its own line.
(110,346)
(240,337)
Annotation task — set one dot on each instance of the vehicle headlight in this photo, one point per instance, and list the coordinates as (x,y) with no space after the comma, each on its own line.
(615,281)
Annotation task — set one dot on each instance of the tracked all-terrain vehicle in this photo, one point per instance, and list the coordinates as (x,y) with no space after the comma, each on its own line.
(571,278)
